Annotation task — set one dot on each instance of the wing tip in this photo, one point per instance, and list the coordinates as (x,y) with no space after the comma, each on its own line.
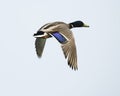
(39,56)
(73,67)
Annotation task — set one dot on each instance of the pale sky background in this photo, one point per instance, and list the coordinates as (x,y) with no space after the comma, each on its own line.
(98,49)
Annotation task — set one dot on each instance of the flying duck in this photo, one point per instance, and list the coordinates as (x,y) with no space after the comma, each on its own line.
(61,31)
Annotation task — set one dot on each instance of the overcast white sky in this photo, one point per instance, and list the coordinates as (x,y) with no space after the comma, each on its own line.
(98,49)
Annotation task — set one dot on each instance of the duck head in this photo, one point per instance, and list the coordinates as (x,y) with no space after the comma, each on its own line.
(77,24)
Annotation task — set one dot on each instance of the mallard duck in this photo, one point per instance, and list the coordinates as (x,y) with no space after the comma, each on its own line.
(61,31)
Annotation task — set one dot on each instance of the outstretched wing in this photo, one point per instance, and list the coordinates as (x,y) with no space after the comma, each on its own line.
(39,45)
(68,46)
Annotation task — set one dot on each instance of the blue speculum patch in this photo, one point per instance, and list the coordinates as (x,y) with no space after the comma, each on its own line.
(59,37)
